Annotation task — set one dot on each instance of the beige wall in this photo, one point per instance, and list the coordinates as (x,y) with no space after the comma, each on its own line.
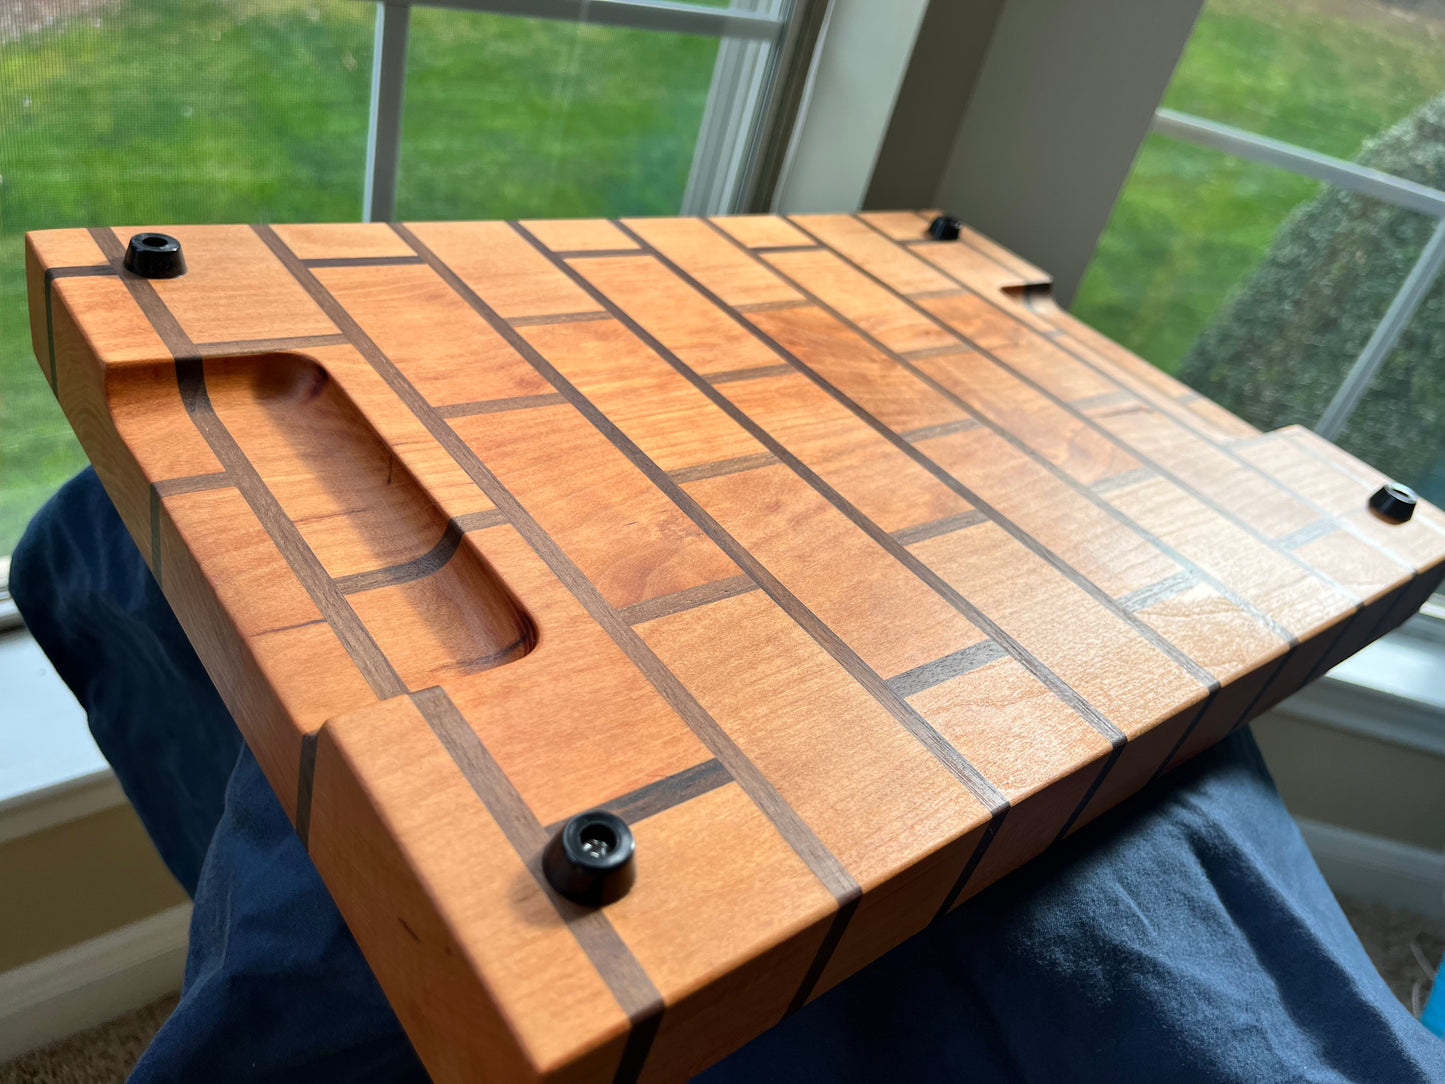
(1355,781)
(1023,117)
(76,881)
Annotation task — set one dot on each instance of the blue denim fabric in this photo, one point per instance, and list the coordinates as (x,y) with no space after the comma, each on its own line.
(1186,936)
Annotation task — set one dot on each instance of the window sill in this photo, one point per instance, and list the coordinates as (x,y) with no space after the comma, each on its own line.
(1391,691)
(50,770)
(9,614)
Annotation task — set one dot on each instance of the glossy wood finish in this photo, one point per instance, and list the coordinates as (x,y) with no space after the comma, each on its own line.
(843,565)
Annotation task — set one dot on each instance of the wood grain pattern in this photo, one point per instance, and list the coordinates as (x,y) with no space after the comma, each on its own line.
(838,561)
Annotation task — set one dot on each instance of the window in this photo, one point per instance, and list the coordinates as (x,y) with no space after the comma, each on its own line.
(151,113)
(1279,241)
(506,117)
(317,110)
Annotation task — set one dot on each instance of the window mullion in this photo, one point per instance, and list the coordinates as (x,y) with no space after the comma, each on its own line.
(388,87)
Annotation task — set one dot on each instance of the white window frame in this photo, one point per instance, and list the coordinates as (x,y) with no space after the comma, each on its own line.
(9,615)
(756,101)
(1424,634)
(764,42)
(740,166)
(1342,174)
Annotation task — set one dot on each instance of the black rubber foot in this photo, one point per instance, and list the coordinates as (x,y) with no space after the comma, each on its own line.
(1393,502)
(944,228)
(590,859)
(155,256)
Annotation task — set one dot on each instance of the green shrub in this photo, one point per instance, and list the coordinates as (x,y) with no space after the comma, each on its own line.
(1278,349)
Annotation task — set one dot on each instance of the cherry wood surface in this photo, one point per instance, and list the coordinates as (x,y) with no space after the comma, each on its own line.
(842,564)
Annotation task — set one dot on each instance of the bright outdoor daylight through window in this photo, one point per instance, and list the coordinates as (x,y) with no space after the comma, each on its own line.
(1260,287)
(1256,285)
(260,113)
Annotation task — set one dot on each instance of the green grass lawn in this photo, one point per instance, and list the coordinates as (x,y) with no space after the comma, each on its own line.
(173,110)
(1192,223)
(179,111)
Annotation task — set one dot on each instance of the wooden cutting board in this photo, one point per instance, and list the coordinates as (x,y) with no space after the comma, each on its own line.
(838,562)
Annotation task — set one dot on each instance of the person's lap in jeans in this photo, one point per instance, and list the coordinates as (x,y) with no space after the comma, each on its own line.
(1186,935)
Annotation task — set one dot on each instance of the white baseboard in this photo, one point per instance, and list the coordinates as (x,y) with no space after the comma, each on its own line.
(1378,869)
(92,982)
